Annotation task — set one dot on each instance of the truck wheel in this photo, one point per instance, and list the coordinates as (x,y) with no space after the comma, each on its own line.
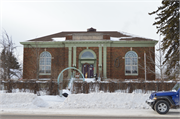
(162,107)
(153,107)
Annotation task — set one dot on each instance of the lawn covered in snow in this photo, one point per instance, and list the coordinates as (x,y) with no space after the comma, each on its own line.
(99,100)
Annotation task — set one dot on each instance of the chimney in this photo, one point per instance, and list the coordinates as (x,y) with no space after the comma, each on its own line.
(91,30)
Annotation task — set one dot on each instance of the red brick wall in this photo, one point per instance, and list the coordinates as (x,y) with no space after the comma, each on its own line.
(69,37)
(59,62)
(119,72)
(107,37)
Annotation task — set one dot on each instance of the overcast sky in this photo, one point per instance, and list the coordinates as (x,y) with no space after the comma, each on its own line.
(28,19)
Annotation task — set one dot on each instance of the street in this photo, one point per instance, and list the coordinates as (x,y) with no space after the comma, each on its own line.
(76,117)
(10,113)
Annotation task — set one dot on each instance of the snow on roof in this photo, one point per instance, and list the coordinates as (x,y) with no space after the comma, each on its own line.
(119,38)
(128,34)
(59,39)
(132,35)
(114,38)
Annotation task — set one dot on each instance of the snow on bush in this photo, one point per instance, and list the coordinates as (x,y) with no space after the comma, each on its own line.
(107,100)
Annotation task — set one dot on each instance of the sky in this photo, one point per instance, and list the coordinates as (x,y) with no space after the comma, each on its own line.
(28,19)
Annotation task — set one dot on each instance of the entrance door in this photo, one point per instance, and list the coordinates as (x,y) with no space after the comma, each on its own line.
(88,70)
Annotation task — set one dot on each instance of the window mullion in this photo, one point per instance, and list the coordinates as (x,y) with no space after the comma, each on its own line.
(131,64)
(45,64)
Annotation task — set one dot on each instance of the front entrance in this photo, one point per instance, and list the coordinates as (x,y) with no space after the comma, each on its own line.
(88,70)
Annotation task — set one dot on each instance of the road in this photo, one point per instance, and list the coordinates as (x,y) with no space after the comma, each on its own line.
(43,113)
(76,117)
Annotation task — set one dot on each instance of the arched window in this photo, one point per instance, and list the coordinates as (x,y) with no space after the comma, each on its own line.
(45,63)
(131,63)
(87,55)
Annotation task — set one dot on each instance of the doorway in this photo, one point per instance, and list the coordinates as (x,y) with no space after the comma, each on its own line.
(88,70)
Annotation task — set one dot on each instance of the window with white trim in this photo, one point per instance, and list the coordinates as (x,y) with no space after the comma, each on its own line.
(131,63)
(45,63)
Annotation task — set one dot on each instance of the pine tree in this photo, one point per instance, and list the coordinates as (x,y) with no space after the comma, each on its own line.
(167,24)
(9,63)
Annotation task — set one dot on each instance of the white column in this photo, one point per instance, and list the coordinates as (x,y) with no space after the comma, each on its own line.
(100,61)
(69,60)
(74,56)
(104,61)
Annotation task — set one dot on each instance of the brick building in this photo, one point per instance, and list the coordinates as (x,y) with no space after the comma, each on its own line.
(109,54)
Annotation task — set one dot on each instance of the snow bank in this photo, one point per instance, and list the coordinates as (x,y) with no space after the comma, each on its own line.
(93,100)
(20,100)
(39,102)
(9,98)
(107,100)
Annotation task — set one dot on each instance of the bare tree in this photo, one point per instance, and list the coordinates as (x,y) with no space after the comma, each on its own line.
(155,59)
(9,65)
(35,50)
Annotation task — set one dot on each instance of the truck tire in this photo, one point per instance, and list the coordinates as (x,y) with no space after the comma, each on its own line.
(153,107)
(162,107)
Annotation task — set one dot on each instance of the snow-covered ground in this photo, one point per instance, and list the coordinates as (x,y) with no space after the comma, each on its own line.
(76,104)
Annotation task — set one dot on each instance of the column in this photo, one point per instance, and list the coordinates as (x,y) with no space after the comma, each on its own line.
(104,61)
(69,60)
(74,56)
(74,59)
(100,61)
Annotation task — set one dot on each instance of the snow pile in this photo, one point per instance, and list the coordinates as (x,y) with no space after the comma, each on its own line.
(39,102)
(53,101)
(107,100)
(93,100)
(20,100)
(9,98)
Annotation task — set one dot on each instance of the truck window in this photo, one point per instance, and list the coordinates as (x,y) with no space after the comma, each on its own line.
(176,87)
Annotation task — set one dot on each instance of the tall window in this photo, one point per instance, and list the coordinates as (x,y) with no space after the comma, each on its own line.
(131,63)
(45,63)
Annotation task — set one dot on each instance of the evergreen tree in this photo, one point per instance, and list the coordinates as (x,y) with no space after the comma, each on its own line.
(9,64)
(167,24)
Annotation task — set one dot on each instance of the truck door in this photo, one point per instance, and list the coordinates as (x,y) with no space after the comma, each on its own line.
(177,98)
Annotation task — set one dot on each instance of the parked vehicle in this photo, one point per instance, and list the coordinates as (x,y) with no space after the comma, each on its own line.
(161,102)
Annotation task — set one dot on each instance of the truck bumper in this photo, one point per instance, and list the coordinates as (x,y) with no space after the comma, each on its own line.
(150,102)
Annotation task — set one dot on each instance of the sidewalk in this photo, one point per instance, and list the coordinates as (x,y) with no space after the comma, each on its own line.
(92,112)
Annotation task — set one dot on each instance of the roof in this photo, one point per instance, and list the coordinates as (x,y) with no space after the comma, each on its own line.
(116,34)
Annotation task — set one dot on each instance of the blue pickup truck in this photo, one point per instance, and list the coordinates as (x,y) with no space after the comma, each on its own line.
(161,102)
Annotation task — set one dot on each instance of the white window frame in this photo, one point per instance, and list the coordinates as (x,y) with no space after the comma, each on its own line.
(131,65)
(45,63)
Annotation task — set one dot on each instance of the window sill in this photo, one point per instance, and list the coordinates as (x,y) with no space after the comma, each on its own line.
(131,74)
(44,73)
